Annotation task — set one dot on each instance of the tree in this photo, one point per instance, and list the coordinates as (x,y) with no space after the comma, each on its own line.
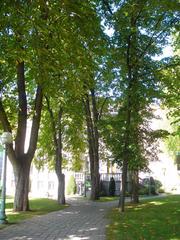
(93,107)
(92,61)
(69,84)
(27,33)
(71,188)
(60,132)
(112,187)
(93,141)
(139,34)
(26,100)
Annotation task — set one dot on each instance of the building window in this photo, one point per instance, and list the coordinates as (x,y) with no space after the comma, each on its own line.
(50,185)
(40,185)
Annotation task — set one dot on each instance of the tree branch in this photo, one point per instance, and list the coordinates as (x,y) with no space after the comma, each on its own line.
(155,37)
(3,119)
(52,120)
(22,113)
(35,122)
(101,109)
(106,3)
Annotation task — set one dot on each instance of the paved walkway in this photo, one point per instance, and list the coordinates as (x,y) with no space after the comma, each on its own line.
(82,220)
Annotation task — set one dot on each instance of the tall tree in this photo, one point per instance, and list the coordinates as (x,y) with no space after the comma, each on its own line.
(24,96)
(139,34)
(28,34)
(79,64)
(61,132)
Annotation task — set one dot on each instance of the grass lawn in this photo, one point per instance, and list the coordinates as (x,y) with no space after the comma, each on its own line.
(38,207)
(107,199)
(154,219)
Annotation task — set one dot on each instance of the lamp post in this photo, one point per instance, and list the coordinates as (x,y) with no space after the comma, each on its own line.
(5,138)
(85,171)
(84,183)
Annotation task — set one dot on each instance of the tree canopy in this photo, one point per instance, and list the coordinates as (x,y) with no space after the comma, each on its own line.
(80,87)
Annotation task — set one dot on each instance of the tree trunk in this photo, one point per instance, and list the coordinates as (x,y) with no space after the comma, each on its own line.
(96,183)
(124,185)
(92,133)
(96,145)
(57,137)
(20,160)
(21,172)
(61,189)
(135,187)
(127,122)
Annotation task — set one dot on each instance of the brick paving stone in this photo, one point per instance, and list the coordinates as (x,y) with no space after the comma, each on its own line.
(84,220)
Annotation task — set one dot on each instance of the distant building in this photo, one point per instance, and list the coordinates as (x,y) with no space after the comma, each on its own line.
(44,183)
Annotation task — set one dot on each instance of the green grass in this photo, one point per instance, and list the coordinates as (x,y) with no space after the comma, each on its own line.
(107,199)
(38,207)
(154,219)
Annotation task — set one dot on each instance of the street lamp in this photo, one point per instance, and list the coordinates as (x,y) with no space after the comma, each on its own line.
(5,138)
(85,171)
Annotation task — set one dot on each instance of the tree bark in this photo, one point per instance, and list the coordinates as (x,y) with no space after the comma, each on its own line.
(22,113)
(57,137)
(127,129)
(135,187)
(124,185)
(93,141)
(61,189)
(21,172)
(96,144)
(20,160)
(58,164)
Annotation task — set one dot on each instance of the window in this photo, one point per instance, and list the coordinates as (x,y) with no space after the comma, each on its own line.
(40,185)
(50,185)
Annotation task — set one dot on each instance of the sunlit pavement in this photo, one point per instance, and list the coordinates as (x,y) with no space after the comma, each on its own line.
(82,220)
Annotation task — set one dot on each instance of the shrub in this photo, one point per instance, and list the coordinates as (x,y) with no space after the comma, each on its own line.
(161,190)
(143,190)
(127,194)
(112,187)
(102,192)
(71,186)
(152,186)
(158,185)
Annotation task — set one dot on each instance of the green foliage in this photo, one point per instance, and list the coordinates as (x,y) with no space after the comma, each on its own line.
(71,186)
(77,56)
(161,190)
(142,143)
(150,186)
(143,190)
(170,74)
(66,51)
(158,185)
(172,143)
(112,187)
(140,32)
